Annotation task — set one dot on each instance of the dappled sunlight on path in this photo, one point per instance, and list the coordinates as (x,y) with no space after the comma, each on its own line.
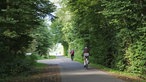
(72,71)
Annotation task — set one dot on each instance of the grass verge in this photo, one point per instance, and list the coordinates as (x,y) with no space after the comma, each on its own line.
(42,73)
(128,77)
(45,57)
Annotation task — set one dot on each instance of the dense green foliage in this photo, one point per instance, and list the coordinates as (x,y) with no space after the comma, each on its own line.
(114,30)
(20,23)
(42,40)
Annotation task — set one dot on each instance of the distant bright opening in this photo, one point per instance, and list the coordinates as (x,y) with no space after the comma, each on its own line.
(57,50)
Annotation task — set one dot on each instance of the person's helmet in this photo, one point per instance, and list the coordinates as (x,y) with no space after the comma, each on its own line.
(85,47)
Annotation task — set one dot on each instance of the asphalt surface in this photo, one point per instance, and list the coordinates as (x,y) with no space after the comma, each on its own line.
(72,71)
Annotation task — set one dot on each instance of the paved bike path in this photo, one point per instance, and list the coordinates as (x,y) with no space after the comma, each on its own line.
(72,71)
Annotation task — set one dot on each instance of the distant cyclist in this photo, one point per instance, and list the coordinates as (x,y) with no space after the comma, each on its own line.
(72,54)
(86,56)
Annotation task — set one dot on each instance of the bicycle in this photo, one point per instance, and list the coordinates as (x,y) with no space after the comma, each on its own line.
(86,62)
(72,57)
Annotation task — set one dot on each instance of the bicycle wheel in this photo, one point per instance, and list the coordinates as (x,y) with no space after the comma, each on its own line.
(86,63)
(72,57)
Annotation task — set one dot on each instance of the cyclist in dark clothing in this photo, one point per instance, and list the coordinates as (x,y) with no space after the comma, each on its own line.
(72,54)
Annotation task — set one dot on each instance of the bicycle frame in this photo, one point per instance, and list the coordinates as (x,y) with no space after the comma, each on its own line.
(86,61)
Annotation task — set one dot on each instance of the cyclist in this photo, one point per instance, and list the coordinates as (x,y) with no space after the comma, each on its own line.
(72,54)
(86,56)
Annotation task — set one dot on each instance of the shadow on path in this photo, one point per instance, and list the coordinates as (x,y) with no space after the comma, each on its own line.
(72,71)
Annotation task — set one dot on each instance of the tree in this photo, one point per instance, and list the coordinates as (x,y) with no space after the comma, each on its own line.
(18,21)
(114,30)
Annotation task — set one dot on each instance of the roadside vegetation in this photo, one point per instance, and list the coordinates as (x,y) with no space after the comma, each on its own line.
(45,57)
(40,73)
(23,30)
(113,30)
(128,77)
